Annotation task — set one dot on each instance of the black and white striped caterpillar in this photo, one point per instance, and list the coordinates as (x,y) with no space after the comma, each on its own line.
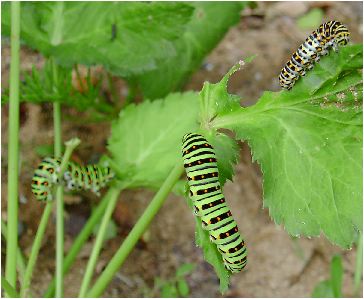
(331,34)
(209,202)
(76,177)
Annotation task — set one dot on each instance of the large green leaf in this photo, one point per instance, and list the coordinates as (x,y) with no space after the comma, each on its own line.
(308,142)
(146,139)
(210,22)
(126,37)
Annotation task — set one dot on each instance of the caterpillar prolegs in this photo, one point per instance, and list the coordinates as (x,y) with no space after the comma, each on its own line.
(76,177)
(205,191)
(329,35)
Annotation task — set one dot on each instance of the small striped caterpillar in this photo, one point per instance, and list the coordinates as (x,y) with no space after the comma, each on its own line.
(209,202)
(331,34)
(76,177)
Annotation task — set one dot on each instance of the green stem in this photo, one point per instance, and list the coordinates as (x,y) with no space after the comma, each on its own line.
(8,288)
(136,232)
(114,193)
(80,241)
(70,146)
(358,265)
(59,198)
(35,249)
(20,264)
(13,149)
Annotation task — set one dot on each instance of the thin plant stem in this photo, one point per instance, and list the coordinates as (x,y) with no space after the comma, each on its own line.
(98,242)
(56,37)
(35,249)
(20,263)
(358,265)
(80,241)
(8,288)
(13,149)
(59,202)
(137,231)
(70,146)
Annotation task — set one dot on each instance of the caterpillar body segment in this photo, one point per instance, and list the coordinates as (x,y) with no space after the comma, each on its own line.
(209,203)
(76,177)
(329,35)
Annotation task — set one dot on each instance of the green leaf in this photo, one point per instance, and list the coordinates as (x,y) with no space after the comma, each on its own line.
(126,37)
(169,291)
(146,139)
(185,269)
(208,25)
(215,100)
(111,230)
(308,142)
(183,288)
(227,154)
(210,252)
(331,288)
(323,290)
(336,276)
(311,20)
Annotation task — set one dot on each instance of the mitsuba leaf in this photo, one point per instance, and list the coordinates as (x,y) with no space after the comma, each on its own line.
(146,139)
(126,37)
(308,142)
(191,47)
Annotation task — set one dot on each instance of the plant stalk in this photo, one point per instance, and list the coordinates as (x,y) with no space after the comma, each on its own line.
(114,193)
(8,288)
(59,202)
(35,249)
(20,264)
(137,231)
(13,149)
(80,241)
(70,146)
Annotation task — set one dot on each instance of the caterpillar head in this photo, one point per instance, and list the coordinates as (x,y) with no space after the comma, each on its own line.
(342,35)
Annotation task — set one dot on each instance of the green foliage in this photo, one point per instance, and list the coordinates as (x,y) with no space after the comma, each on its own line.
(176,286)
(331,288)
(311,20)
(126,37)
(210,251)
(111,230)
(145,140)
(209,23)
(308,142)
(227,153)
(53,83)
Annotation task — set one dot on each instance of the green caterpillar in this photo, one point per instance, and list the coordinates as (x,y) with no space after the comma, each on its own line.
(76,177)
(209,202)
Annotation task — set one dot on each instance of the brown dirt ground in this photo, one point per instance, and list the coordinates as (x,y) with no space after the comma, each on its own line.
(279,266)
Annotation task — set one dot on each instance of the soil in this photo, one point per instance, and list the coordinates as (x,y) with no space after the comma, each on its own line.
(279,265)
